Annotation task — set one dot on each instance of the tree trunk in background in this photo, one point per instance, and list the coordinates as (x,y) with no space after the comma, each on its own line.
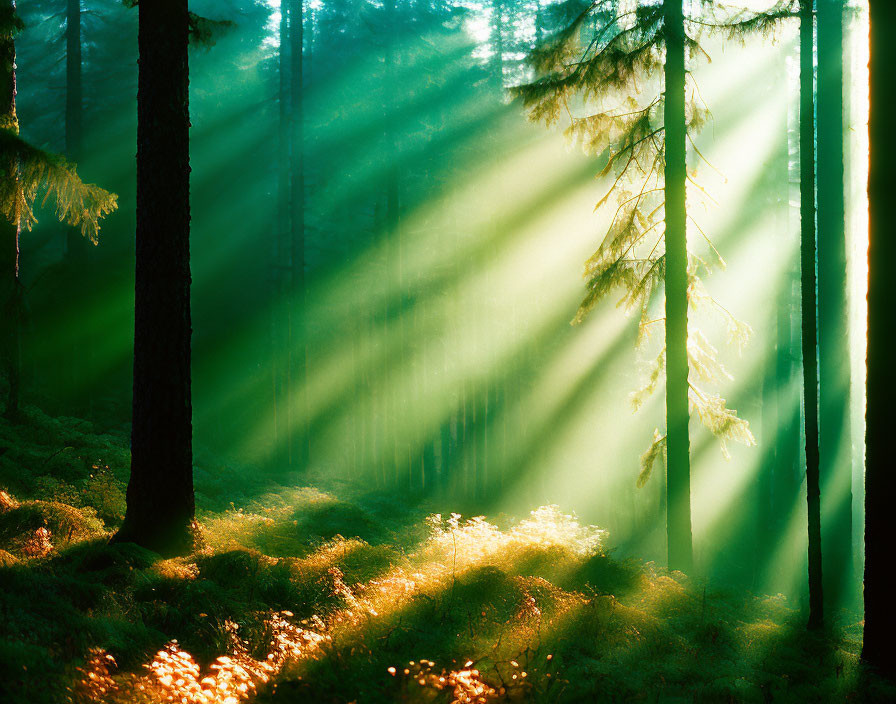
(76,244)
(79,355)
(281,350)
(789,475)
(539,23)
(11,285)
(498,43)
(764,485)
(809,321)
(678,463)
(835,441)
(160,503)
(297,226)
(394,256)
(880,480)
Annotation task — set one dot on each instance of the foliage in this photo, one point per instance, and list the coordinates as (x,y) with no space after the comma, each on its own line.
(203,31)
(77,203)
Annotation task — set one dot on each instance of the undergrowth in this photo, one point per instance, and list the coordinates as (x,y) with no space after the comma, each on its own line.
(304,595)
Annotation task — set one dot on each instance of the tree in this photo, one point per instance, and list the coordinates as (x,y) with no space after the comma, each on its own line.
(835,442)
(880,480)
(26,172)
(160,500)
(282,349)
(9,231)
(808,300)
(297,212)
(644,250)
(678,467)
(74,133)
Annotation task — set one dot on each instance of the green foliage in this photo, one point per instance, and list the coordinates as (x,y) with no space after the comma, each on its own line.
(206,32)
(656,451)
(203,31)
(10,22)
(77,203)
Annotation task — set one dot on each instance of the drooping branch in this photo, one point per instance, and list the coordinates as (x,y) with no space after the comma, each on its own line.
(77,203)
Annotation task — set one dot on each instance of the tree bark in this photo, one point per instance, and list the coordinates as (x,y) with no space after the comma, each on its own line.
(160,501)
(835,442)
(880,479)
(12,292)
(678,468)
(808,300)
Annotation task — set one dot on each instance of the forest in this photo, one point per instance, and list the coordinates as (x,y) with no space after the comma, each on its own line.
(447,351)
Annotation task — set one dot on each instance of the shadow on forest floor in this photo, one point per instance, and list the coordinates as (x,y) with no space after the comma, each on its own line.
(305,595)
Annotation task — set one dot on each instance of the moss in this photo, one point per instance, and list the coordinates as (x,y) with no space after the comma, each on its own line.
(387,589)
(66,524)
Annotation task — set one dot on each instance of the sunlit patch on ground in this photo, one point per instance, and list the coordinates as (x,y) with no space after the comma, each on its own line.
(306,594)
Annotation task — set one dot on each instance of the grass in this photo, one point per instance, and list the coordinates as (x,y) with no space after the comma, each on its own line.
(300,594)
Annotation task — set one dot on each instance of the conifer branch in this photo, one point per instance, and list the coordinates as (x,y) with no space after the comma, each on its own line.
(77,203)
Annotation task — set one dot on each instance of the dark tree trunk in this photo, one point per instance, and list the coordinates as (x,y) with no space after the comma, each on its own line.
(678,463)
(160,503)
(880,479)
(809,321)
(835,442)
(11,285)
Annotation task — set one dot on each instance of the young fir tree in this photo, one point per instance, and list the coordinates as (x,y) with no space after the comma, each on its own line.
(880,480)
(160,500)
(595,72)
(26,172)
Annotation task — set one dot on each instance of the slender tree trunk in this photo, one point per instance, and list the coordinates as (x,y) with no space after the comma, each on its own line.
(498,42)
(835,441)
(539,23)
(764,529)
(12,291)
(395,253)
(809,310)
(788,468)
(79,352)
(678,463)
(281,349)
(160,503)
(297,220)
(76,245)
(880,479)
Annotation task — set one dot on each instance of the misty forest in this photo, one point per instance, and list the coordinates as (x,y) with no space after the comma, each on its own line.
(447,351)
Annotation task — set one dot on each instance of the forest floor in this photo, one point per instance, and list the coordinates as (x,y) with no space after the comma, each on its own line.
(312,595)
